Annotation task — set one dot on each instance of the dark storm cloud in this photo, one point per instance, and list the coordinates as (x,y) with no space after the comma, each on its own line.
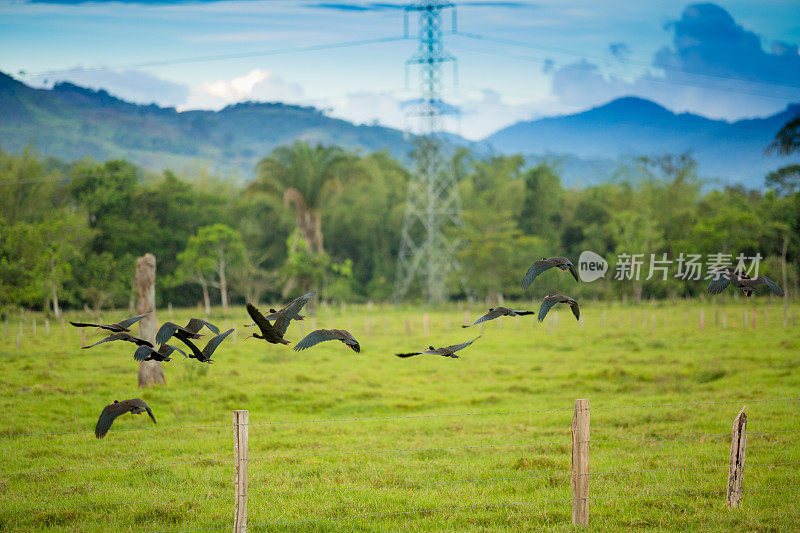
(714,66)
(706,39)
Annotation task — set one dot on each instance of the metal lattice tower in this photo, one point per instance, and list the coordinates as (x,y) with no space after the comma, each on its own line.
(426,252)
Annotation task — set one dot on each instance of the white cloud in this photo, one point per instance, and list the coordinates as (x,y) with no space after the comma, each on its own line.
(257,85)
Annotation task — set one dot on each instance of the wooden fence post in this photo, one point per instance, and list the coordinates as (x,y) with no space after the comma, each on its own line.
(736,468)
(580,463)
(701,320)
(150,372)
(426,325)
(240,425)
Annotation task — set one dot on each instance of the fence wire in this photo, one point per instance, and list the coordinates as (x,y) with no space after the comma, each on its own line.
(411,417)
(393,485)
(475,507)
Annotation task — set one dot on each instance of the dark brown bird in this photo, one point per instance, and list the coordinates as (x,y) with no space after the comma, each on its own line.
(274,332)
(552,299)
(447,351)
(546,264)
(204,355)
(497,312)
(122,325)
(122,336)
(273,314)
(322,335)
(112,411)
(146,353)
(722,277)
(168,329)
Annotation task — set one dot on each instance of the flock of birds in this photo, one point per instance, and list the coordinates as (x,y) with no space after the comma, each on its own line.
(273,327)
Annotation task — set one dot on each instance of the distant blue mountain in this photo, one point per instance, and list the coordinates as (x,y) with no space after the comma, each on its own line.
(72,122)
(727,152)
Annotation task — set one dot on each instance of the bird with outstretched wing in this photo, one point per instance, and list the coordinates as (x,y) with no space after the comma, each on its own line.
(540,266)
(122,336)
(322,335)
(447,351)
(116,409)
(204,355)
(497,312)
(122,325)
(552,299)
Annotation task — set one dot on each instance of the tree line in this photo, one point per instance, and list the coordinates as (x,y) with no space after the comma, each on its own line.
(322,217)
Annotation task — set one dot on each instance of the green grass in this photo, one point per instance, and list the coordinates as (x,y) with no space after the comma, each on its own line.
(321,469)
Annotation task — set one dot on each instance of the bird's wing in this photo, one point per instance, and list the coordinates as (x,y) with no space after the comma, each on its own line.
(575,310)
(166,331)
(167,349)
(457,347)
(196,324)
(128,322)
(535,269)
(316,337)
(142,353)
(547,303)
(262,323)
(83,324)
(719,282)
(491,315)
(112,337)
(107,417)
(573,271)
(138,402)
(774,287)
(213,343)
(193,347)
(289,312)
(407,354)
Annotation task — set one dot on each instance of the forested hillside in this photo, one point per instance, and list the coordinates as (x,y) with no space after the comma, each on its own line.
(326,218)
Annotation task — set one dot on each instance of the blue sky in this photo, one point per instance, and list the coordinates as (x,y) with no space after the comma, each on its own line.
(725,60)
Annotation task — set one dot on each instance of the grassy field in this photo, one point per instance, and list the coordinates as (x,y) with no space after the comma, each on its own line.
(498,457)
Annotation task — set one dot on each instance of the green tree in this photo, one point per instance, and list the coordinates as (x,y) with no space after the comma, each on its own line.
(543,212)
(208,256)
(303,176)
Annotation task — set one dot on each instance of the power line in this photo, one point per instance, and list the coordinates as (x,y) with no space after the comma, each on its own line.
(243,55)
(522,44)
(650,79)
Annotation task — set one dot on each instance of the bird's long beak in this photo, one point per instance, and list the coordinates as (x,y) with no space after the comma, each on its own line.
(248,336)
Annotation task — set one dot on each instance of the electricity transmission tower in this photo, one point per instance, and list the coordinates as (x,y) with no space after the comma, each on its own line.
(426,252)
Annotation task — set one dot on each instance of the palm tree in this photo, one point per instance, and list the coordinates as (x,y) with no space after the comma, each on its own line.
(302,176)
(787,140)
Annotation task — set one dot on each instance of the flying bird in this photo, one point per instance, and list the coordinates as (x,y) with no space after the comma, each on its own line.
(273,314)
(122,336)
(146,353)
(447,351)
(727,275)
(196,324)
(497,312)
(204,355)
(322,335)
(552,299)
(168,329)
(122,325)
(112,411)
(546,264)
(274,332)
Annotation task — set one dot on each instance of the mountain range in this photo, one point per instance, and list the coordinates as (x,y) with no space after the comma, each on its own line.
(71,122)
